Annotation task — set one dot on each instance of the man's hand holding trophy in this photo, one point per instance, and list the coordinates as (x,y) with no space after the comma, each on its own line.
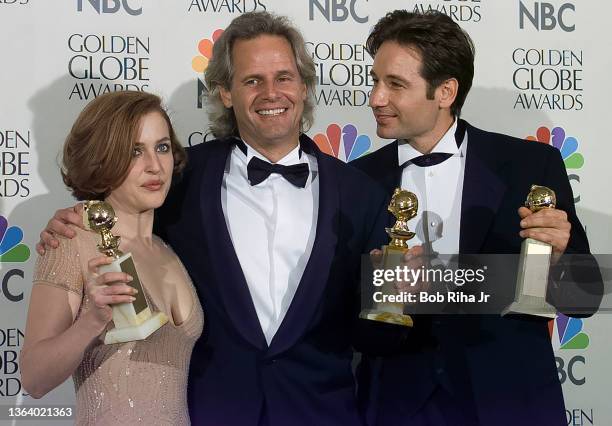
(534,264)
(404,206)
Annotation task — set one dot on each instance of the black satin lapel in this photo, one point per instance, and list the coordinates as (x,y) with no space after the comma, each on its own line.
(389,169)
(482,193)
(315,277)
(228,276)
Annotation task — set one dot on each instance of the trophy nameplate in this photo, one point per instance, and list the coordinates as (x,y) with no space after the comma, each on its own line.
(135,320)
(403,206)
(534,265)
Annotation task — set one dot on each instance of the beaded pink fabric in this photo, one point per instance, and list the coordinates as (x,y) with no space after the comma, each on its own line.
(142,382)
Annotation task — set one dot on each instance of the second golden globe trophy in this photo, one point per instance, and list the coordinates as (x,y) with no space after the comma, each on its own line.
(133,321)
(404,206)
(534,264)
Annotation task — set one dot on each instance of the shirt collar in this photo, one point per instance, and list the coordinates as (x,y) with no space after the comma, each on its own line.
(447,144)
(293,157)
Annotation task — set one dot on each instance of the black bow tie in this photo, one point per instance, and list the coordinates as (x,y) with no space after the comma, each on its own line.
(429,159)
(437,157)
(259,170)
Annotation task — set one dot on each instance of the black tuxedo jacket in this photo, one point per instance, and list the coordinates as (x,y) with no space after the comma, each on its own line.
(502,370)
(304,376)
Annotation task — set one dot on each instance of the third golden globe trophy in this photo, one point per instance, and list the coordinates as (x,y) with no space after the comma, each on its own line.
(404,206)
(534,264)
(133,321)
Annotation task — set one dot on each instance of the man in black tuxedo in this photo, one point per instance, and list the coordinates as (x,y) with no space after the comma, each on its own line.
(472,369)
(272,232)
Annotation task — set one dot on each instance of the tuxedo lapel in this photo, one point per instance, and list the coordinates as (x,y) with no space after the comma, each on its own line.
(384,167)
(228,276)
(391,171)
(314,279)
(483,190)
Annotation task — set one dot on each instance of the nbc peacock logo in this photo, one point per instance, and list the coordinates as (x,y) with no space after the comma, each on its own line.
(567,145)
(11,247)
(567,333)
(199,63)
(354,144)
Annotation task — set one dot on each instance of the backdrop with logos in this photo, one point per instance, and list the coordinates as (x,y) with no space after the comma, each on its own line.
(540,74)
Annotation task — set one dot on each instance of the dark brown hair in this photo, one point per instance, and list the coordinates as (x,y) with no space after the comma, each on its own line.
(446,50)
(98,150)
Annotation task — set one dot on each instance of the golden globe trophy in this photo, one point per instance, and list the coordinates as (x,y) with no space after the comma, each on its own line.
(133,321)
(534,264)
(404,206)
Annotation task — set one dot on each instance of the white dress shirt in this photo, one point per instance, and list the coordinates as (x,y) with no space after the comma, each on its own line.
(272,226)
(438,189)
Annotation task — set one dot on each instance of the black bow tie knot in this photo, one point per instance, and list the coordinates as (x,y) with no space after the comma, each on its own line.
(259,170)
(430,159)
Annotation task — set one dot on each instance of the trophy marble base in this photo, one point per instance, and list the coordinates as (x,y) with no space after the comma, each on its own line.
(391,313)
(136,332)
(532,281)
(387,317)
(133,321)
(533,307)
